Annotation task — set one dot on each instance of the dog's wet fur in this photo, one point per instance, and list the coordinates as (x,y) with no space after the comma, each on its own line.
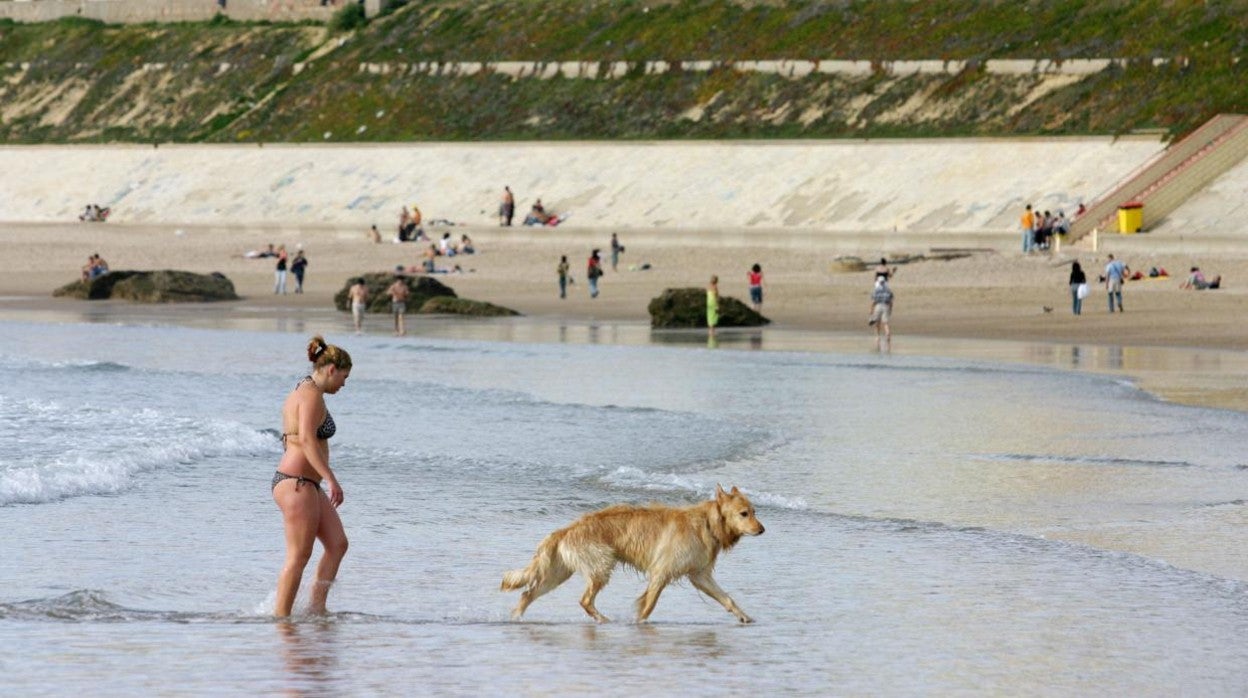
(664,543)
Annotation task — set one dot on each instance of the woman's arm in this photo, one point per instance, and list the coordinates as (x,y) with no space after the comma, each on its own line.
(311,414)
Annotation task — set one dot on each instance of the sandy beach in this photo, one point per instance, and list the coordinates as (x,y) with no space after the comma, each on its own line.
(989,295)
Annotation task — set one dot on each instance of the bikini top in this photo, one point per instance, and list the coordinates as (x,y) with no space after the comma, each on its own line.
(327,428)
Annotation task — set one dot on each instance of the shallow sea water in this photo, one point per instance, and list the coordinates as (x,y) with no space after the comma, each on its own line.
(934,525)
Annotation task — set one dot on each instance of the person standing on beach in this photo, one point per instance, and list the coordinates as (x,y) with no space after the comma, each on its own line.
(593,270)
(358,295)
(297,267)
(1078,288)
(1115,273)
(308,513)
(616,249)
(756,287)
(562,270)
(1028,223)
(881,310)
(506,208)
(712,306)
(279,274)
(374,234)
(398,304)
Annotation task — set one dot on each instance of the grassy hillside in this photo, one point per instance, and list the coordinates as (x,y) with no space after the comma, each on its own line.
(78,81)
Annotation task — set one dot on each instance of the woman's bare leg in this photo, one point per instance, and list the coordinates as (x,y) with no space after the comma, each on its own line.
(301,512)
(334,541)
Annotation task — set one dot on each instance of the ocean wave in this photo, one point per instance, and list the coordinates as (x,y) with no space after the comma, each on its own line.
(1083,460)
(75,366)
(640,480)
(94,606)
(60,451)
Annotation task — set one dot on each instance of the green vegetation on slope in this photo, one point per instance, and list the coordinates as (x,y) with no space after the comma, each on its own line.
(81,81)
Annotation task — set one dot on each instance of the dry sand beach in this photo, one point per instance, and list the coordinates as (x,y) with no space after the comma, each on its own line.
(989,295)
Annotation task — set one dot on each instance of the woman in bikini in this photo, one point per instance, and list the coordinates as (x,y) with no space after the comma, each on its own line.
(308,513)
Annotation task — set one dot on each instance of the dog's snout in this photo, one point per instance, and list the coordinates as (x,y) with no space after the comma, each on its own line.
(761,530)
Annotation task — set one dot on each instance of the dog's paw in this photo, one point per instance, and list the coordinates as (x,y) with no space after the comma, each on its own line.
(745,619)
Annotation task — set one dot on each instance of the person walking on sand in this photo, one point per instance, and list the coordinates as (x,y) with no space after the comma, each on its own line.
(881,310)
(1115,273)
(506,208)
(1078,288)
(308,514)
(616,249)
(562,270)
(297,266)
(756,287)
(399,293)
(279,273)
(593,270)
(358,295)
(712,306)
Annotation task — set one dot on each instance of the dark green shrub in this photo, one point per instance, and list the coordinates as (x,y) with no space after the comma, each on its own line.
(349,18)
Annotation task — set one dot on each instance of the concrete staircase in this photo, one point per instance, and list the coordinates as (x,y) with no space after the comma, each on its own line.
(1165,182)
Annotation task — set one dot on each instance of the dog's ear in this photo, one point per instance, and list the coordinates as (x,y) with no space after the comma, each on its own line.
(734,491)
(719,493)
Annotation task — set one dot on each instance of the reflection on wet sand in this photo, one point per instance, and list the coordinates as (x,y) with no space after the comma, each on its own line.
(1214,378)
(310,655)
(626,639)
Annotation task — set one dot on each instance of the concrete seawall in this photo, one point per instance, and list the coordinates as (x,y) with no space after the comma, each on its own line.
(139,11)
(762,189)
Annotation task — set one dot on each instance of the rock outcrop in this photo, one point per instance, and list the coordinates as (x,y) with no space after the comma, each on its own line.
(686,307)
(162,286)
(462,306)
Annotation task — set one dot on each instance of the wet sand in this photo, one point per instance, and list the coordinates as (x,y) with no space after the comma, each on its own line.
(1182,345)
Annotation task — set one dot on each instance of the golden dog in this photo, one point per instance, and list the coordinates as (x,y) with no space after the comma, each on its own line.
(665,543)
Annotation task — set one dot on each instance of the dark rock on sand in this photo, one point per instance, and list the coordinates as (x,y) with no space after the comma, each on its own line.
(163,286)
(421,288)
(686,307)
(464,306)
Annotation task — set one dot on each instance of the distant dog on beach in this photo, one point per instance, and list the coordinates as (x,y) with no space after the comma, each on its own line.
(665,543)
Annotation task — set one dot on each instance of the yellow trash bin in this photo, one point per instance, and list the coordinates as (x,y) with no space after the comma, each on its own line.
(1130,217)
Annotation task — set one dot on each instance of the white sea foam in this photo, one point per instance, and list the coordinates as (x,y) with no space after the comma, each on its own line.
(635,478)
(61,450)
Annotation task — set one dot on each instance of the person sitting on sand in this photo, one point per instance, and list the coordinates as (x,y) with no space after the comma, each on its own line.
(100,268)
(446,246)
(430,254)
(1198,282)
(260,254)
(537,214)
(86,268)
(465,245)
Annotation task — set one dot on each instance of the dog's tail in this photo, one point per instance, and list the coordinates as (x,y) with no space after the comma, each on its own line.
(539,567)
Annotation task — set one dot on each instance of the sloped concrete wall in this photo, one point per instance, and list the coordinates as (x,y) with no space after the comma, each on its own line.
(848,186)
(138,11)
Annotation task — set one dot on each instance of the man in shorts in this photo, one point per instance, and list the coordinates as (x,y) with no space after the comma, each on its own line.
(1115,273)
(359,301)
(398,304)
(881,310)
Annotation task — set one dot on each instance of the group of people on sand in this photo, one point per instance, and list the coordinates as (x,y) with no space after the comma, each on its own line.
(537,215)
(1118,272)
(94,213)
(593,267)
(95,267)
(409,229)
(1039,228)
(297,266)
